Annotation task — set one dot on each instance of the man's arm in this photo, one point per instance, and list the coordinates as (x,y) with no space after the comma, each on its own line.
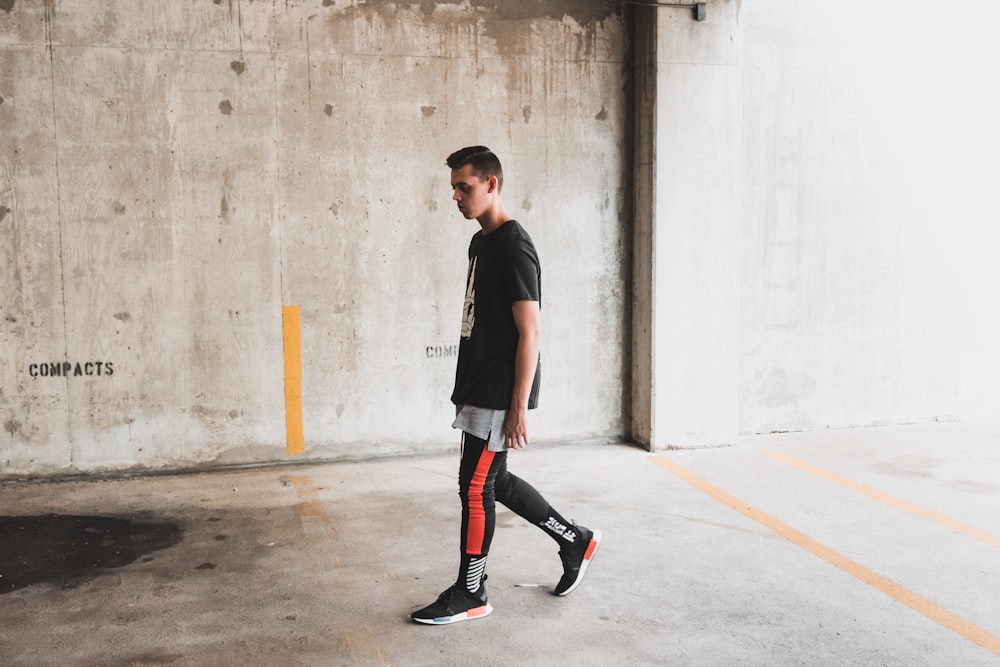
(528,320)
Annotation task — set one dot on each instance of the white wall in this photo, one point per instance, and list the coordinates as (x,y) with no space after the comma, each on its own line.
(688,288)
(870,218)
(820,243)
(172,174)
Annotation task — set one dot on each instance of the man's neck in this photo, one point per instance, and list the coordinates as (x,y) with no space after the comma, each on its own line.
(493,220)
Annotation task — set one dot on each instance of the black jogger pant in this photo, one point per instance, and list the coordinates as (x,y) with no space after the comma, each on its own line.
(483,480)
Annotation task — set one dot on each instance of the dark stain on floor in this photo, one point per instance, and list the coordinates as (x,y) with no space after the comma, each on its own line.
(66,550)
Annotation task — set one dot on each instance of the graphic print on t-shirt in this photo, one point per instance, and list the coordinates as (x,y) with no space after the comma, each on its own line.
(469,311)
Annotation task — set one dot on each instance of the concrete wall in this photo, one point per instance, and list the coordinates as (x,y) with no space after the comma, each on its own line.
(816,224)
(696,220)
(814,220)
(173,174)
(870,222)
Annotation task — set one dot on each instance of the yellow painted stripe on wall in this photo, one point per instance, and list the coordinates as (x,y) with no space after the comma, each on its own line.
(291,333)
(889,500)
(919,604)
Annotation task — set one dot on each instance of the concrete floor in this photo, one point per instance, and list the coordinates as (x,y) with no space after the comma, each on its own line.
(321,564)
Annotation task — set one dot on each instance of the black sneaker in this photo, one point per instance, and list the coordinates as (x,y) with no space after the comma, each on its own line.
(454,605)
(576,558)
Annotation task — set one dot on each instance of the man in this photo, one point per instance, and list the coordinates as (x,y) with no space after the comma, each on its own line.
(496,383)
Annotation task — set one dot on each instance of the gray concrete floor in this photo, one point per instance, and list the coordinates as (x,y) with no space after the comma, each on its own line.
(321,564)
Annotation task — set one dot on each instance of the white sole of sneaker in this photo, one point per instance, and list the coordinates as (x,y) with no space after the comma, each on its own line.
(595,542)
(478,612)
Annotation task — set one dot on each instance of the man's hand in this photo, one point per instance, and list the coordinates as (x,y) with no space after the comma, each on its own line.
(515,428)
(528,321)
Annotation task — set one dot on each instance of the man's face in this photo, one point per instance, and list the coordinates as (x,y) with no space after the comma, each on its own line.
(470,192)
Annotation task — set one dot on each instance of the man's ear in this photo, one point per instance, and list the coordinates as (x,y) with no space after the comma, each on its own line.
(491,184)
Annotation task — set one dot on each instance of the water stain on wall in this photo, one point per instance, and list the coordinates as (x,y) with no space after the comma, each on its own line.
(66,550)
(583,12)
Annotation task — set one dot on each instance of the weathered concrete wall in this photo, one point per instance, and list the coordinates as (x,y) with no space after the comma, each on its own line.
(816,246)
(870,225)
(172,174)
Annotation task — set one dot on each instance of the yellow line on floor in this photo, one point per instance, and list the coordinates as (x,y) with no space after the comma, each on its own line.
(295,442)
(888,500)
(312,507)
(920,604)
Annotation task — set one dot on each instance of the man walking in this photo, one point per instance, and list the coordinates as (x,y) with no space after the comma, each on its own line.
(496,383)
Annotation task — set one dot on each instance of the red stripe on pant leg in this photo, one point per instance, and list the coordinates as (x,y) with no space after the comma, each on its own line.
(477,514)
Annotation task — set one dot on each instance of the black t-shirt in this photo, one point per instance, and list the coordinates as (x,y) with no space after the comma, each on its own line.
(503,268)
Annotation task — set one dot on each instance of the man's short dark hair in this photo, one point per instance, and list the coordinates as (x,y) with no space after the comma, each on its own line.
(484,162)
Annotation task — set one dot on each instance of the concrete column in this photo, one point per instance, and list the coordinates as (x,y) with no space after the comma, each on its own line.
(687,227)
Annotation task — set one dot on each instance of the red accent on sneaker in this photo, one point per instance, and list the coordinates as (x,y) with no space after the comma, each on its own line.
(478,611)
(591,548)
